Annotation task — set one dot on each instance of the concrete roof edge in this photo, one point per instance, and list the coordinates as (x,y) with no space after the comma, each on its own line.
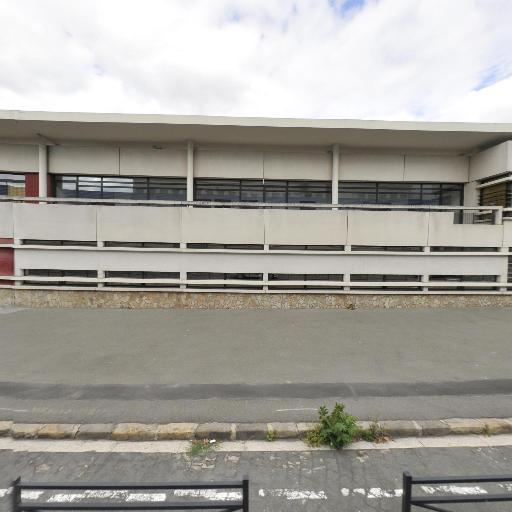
(265,122)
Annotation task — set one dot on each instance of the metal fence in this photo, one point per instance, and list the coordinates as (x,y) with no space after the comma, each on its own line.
(100,496)
(430,502)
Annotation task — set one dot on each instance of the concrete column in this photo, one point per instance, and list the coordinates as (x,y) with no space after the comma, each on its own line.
(101,273)
(265,278)
(183,274)
(471,194)
(335,172)
(425,277)
(43,170)
(504,275)
(18,272)
(346,277)
(190,171)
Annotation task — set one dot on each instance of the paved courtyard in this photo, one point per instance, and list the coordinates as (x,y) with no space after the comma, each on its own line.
(161,365)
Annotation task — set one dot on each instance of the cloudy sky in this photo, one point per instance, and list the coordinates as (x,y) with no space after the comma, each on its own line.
(373,59)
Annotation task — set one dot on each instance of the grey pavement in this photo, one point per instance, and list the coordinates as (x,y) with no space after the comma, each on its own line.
(172,365)
(300,481)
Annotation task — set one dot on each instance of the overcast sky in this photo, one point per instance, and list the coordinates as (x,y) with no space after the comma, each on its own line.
(373,59)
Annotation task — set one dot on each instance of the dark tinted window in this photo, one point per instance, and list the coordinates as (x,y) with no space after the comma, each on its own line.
(113,187)
(396,193)
(258,191)
(12,184)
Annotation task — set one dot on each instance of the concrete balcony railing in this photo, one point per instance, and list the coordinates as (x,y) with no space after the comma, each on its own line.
(418,245)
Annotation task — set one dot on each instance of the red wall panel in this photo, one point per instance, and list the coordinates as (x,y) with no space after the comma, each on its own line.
(32,185)
(6,263)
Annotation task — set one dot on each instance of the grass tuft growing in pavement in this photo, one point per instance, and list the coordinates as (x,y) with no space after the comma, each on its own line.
(336,429)
(201,446)
(375,433)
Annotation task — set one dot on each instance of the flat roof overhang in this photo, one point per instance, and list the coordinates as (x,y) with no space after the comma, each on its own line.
(69,127)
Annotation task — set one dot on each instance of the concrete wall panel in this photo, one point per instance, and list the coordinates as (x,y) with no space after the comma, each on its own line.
(19,158)
(139,224)
(387,228)
(368,167)
(255,263)
(451,169)
(153,162)
(507,234)
(222,225)
(301,227)
(228,164)
(444,232)
(84,160)
(297,166)
(6,220)
(492,161)
(54,222)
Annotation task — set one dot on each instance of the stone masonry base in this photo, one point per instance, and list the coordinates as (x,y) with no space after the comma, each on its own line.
(210,300)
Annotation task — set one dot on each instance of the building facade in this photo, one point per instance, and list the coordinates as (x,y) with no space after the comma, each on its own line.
(139,203)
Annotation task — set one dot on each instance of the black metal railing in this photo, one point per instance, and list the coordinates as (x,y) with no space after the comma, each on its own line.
(94,499)
(431,502)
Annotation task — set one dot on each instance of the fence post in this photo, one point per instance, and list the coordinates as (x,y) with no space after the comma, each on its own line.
(406,496)
(16,495)
(245,494)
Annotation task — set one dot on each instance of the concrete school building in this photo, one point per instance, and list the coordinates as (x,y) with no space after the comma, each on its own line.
(125,208)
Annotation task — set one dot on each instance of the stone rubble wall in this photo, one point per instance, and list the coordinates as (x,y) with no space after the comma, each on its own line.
(209,300)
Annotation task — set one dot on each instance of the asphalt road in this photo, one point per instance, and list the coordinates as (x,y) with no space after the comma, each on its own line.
(131,365)
(279,481)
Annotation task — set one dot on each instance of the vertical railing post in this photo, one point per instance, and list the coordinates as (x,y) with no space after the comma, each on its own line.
(16,495)
(245,494)
(407,492)
(498,216)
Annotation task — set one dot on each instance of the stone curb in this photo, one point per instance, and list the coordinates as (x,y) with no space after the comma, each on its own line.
(243,431)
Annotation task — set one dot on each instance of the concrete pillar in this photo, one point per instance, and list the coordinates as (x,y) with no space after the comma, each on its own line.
(335,172)
(503,277)
(425,277)
(265,278)
(346,278)
(183,275)
(471,194)
(43,170)
(101,273)
(18,272)
(190,171)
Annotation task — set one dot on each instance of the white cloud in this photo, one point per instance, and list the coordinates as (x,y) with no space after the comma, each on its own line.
(390,59)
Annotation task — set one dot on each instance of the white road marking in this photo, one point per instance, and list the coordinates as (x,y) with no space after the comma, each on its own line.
(221,495)
(209,494)
(141,496)
(377,492)
(298,409)
(293,494)
(453,489)
(372,492)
